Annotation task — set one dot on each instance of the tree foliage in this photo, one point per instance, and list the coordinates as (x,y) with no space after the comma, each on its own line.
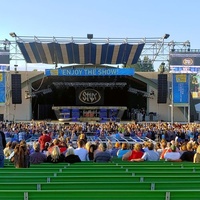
(144,65)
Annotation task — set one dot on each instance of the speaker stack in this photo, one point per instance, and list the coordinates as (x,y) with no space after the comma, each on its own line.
(16,88)
(162,88)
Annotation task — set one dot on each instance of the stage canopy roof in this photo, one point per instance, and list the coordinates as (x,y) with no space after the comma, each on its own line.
(72,52)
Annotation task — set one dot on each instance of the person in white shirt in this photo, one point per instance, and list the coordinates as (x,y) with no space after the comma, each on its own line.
(173,154)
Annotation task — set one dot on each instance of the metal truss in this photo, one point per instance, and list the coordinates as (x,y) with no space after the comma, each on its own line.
(157,49)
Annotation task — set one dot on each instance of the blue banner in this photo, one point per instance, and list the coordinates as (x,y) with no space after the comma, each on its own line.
(90,72)
(180,88)
(2,87)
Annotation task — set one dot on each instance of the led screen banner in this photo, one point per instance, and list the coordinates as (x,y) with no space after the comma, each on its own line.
(184,62)
(180,89)
(90,72)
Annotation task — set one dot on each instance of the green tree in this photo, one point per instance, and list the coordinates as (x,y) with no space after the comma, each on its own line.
(147,65)
(144,65)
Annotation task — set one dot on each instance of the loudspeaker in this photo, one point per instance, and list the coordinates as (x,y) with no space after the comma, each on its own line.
(16,88)
(162,88)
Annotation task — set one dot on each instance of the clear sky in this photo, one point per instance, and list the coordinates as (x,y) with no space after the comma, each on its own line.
(102,18)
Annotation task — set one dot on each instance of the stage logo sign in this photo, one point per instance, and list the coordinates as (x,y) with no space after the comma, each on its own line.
(89,96)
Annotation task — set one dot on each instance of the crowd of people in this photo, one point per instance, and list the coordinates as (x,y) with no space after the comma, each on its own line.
(55,142)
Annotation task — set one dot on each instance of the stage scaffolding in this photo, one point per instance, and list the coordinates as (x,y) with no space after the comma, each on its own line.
(156,49)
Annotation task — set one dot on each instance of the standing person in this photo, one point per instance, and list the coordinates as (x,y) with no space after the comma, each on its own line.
(43,139)
(2,146)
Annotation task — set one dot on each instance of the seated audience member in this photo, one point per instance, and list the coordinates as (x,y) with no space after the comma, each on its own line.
(158,148)
(70,157)
(54,143)
(187,155)
(173,154)
(165,148)
(103,155)
(134,154)
(196,158)
(115,149)
(81,151)
(21,158)
(83,137)
(55,156)
(93,150)
(150,155)
(123,150)
(183,148)
(45,150)
(62,136)
(14,143)
(37,157)
(8,150)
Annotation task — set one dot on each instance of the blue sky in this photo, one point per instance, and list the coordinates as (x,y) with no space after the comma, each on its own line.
(103,18)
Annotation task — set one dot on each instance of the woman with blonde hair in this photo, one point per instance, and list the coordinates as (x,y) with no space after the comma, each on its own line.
(196,158)
(134,154)
(55,156)
(8,150)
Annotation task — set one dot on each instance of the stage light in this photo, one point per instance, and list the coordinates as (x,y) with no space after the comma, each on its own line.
(90,36)
(13,34)
(166,36)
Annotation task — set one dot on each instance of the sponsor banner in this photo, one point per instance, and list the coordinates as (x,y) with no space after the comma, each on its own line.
(182,62)
(4,67)
(2,87)
(89,96)
(90,72)
(180,88)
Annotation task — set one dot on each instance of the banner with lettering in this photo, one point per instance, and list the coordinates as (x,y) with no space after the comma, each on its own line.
(90,72)
(180,89)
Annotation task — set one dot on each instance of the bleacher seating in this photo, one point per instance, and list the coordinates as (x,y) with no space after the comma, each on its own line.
(116,181)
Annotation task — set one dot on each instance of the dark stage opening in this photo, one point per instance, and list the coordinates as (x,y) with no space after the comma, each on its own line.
(63,92)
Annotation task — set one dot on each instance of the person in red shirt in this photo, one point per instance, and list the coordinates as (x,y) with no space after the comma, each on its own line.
(134,154)
(43,139)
